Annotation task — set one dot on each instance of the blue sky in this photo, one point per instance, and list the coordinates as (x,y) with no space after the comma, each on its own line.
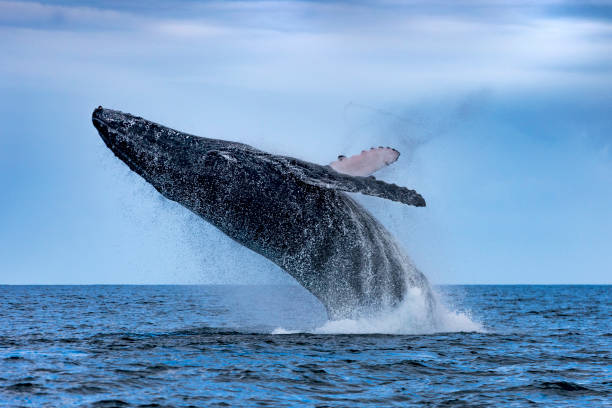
(502,111)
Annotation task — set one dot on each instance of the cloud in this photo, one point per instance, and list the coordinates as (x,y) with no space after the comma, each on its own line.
(363,48)
(43,16)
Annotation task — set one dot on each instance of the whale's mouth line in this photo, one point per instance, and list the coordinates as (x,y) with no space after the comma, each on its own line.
(118,152)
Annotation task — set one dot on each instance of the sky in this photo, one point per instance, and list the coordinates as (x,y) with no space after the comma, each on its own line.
(502,111)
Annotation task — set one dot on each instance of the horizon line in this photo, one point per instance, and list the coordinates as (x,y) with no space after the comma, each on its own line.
(289,284)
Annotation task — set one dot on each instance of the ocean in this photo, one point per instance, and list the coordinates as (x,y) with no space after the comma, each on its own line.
(199,345)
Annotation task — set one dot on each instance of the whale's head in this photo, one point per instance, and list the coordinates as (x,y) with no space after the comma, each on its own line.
(173,162)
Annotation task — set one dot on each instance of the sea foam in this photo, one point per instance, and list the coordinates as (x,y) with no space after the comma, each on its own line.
(412,316)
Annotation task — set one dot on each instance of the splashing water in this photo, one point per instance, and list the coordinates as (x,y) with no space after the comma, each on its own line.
(412,316)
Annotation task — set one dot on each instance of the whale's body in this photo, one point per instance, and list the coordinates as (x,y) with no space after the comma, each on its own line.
(293,212)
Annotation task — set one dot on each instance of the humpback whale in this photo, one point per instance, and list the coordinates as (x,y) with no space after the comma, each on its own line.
(295,213)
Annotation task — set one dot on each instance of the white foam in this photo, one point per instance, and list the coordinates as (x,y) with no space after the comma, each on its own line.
(280,330)
(412,316)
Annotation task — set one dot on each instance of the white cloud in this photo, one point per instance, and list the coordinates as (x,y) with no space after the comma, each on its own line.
(240,44)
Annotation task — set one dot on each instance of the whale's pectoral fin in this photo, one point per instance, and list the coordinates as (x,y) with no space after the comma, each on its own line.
(367,162)
(326,177)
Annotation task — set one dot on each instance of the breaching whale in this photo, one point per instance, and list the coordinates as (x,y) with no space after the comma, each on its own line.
(295,213)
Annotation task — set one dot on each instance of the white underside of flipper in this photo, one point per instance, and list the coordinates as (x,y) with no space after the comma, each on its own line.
(367,162)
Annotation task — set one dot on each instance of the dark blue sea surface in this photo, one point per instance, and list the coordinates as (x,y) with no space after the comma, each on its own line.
(179,346)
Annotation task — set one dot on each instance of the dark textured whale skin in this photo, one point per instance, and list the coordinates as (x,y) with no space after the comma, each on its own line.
(290,211)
